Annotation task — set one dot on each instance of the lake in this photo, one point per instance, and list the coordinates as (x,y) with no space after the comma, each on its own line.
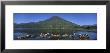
(36,34)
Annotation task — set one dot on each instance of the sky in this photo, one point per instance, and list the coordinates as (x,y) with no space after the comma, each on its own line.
(78,18)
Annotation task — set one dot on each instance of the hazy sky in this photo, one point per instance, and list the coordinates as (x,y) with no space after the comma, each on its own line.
(78,18)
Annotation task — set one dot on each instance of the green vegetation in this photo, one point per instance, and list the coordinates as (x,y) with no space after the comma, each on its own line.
(56,24)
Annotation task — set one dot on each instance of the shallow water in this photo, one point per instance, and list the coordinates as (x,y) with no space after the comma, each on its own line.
(21,31)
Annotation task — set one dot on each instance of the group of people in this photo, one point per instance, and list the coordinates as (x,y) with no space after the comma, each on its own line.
(25,36)
(56,36)
(84,37)
(64,36)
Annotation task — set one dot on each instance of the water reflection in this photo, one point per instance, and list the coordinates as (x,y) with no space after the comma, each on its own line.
(33,34)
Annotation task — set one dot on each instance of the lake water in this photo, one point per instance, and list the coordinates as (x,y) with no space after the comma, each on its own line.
(35,33)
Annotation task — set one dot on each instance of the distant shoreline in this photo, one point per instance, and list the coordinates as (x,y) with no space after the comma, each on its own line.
(94,30)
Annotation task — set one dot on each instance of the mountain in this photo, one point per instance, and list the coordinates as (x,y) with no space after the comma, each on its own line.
(56,22)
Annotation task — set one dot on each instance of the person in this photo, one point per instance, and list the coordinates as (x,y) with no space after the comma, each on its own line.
(87,37)
(74,33)
(27,36)
(41,35)
(82,37)
(18,38)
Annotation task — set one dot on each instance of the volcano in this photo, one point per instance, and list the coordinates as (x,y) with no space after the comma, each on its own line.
(57,22)
(54,22)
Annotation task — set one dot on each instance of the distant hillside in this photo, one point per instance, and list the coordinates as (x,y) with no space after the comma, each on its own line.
(54,22)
